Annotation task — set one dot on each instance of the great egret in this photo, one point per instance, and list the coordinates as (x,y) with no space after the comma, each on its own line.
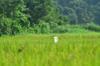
(55,39)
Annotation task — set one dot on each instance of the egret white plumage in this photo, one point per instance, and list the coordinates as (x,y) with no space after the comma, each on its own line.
(55,39)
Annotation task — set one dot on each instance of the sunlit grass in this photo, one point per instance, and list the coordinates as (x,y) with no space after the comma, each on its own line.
(40,50)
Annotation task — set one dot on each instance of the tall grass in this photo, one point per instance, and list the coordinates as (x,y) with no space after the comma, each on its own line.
(40,50)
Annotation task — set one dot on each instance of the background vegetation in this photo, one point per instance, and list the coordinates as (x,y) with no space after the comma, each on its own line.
(49,16)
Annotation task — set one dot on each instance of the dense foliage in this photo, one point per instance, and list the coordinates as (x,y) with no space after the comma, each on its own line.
(81,11)
(47,16)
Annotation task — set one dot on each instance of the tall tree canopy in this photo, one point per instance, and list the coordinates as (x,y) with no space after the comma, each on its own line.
(80,11)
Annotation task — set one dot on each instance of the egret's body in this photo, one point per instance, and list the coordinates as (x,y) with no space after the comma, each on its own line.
(55,39)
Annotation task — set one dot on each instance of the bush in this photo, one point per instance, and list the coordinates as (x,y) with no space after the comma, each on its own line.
(42,27)
(5,26)
(76,29)
(92,27)
(9,26)
(60,29)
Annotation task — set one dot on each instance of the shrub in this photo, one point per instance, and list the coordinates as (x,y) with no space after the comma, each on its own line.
(42,27)
(76,29)
(9,26)
(93,27)
(60,29)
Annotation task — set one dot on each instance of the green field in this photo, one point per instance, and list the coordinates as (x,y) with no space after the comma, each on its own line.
(40,50)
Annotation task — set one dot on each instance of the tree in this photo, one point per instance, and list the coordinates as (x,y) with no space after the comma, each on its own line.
(83,11)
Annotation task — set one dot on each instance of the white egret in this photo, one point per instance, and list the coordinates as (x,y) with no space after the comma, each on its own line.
(56,39)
